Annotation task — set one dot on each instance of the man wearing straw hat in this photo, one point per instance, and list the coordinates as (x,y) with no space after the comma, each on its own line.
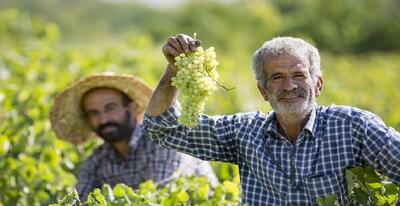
(111,107)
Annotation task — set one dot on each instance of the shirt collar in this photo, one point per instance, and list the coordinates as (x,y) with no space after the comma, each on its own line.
(309,127)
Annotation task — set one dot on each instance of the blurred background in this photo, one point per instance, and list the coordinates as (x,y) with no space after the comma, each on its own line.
(45,45)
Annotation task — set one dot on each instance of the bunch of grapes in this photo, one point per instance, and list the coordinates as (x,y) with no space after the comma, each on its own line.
(196,79)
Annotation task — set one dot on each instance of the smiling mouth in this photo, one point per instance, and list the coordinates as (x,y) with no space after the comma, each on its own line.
(290,98)
(108,129)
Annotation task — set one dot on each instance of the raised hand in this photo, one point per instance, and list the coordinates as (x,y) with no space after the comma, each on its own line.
(180,43)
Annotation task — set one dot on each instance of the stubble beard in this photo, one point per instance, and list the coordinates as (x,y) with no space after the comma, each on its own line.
(123,130)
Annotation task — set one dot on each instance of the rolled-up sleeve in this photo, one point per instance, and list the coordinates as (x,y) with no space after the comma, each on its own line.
(212,139)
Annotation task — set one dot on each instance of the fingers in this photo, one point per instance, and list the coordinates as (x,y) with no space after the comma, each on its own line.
(173,42)
(170,50)
(194,44)
(178,44)
(183,43)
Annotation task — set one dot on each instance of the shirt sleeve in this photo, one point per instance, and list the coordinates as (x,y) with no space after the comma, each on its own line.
(194,166)
(212,139)
(380,146)
(87,179)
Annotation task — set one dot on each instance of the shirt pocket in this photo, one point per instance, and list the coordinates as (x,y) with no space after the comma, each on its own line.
(322,186)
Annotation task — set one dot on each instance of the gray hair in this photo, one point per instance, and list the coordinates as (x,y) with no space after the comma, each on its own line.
(281,46)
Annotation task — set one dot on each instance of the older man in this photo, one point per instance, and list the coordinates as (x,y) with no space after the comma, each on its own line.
(111,107)
(292,155)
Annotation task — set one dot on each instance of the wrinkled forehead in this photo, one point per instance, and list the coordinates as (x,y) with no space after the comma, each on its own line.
(286,61)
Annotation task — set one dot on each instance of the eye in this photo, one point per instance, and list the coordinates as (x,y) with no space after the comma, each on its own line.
(92,113)
(277,77)
(111,108)
(299,76)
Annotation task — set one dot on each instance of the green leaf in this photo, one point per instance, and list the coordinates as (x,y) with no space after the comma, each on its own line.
(350,180)
(375,185)
(361,196)
(379,200)
(392,199)
(203,192)
(391,189)
(183,197)
(70,199)
(107,192)
(371,177)
(4,145)
(218,192)
(119,190)
(148,186)
(329,200)
(95,198)
(358,173)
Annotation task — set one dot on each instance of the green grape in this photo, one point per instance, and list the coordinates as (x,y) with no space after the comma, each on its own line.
(197,80)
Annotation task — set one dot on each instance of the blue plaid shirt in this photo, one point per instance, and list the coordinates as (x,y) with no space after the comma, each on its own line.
(272,170)
(146,161)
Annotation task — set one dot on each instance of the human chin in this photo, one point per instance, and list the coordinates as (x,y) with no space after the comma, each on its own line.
(289,108)
(110,136)
(298,108)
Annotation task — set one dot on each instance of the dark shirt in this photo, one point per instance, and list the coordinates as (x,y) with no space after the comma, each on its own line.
(146,161)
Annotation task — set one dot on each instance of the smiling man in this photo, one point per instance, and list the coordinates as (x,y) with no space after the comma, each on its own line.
(292,155)
(111,107)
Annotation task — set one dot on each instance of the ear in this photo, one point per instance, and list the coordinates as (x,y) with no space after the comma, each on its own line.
(263,91)
(319,84)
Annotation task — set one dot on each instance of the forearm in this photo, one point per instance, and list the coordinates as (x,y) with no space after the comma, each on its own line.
(381,147)
(213,139)
(387,158)
(164,96)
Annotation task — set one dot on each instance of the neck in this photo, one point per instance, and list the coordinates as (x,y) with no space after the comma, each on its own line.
(122,147)
(291,127)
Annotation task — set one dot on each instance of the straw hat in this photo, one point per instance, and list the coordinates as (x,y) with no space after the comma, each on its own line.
(67,117)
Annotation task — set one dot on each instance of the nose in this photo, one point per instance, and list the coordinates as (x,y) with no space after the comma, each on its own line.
(104,117)
(289,84)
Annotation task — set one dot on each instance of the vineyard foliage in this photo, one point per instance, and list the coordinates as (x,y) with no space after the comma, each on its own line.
(182,191)
(39,58)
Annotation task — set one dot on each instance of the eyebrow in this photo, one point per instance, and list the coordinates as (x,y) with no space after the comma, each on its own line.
(302,71)
(107,105)
(111,104)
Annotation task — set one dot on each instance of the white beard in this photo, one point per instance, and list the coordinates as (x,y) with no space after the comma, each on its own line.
(294,111)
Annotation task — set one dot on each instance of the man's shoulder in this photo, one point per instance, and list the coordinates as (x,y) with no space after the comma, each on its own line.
(99,153)
(343,112)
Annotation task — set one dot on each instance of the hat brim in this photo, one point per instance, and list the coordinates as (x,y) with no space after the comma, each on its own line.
(67,117)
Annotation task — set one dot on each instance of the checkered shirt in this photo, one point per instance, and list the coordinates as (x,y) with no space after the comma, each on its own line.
(146,161)
(272,170)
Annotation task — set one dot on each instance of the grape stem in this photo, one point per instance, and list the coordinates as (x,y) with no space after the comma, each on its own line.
(227,89)
(198,43)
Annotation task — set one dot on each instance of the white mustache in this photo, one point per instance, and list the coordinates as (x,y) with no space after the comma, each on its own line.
(297,92)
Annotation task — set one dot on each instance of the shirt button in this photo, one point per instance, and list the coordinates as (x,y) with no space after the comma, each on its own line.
(293,185)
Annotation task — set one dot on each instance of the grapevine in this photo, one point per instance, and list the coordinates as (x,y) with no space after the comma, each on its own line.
(197,80)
